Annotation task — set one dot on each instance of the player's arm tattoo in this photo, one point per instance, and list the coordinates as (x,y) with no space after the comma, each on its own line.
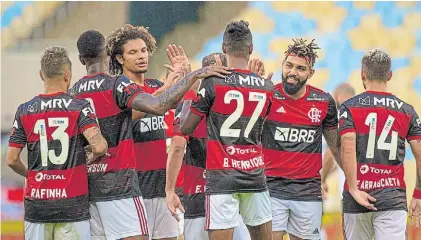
(161,104)
(96,141)
(333,141)
(190,124)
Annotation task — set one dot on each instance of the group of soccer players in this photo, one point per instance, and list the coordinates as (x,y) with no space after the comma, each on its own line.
(246,154)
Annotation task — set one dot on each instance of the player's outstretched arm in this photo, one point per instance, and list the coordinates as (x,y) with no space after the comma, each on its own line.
(97,147)
(349,163)
(174,162)
(15,162)
(415,206)
(159,105)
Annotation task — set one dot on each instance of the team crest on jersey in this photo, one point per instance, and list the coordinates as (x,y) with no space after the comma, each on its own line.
(314,114)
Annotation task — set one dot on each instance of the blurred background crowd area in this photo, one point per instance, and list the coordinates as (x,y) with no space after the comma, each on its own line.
(343,30)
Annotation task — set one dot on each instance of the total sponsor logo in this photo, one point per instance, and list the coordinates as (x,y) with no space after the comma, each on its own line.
(231,150)
(255,162)
(99,167)
(365,169)
(43,176)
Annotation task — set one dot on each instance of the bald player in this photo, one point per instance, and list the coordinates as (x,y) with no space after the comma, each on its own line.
(343,92)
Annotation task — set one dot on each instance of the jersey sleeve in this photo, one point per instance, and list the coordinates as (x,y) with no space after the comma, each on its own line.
(17,135)
(203,101)
(414,132)
(331,119)
(346,123)
(125,91)
(87,118)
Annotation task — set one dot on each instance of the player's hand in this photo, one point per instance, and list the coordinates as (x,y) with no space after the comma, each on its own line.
(212,70)
(92,157)
(218,60)
(173,203)
(177,56)
(415,212)
(325,190)
(174,75)
(258,67)
(363,199)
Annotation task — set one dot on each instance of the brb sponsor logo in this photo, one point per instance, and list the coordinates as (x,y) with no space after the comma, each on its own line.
(43,176)
(294,135)
(231,150)
(152,124)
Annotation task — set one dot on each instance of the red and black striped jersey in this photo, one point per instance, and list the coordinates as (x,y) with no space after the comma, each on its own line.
(51,127)
(382,123)
(292,140)
(194,165)
(235,108)
(113,177)
(149,135)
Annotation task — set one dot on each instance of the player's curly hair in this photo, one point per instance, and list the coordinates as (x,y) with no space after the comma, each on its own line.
(120,36)
(301,49)
(238,38)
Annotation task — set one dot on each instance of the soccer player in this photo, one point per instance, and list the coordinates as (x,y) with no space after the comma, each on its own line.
(343,92)
(53,126)
(194,168)
(118,210)
(149,134)
(373,127)
(292,139)
(235,108)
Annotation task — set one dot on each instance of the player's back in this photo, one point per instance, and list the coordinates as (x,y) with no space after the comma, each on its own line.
(238,105)
(382,123)
(52,127)
(114,177)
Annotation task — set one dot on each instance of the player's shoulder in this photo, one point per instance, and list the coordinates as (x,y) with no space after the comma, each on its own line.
(154,83)
(30,106)
(315,93)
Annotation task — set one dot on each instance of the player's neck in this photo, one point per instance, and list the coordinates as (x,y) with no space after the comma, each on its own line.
(51,88)
(138,78)
(237,63)
(376,86)
(95,68)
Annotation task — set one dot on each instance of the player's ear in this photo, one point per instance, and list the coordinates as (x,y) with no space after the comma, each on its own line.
(81,60)
(312,71)
(362,75)
(251,48)
(120,59)
(224,48)
(390,76)
(40,74)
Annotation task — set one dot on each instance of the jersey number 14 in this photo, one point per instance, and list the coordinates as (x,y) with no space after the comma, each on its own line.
(392,147)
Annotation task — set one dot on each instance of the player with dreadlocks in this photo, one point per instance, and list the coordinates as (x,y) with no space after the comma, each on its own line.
(292,139)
